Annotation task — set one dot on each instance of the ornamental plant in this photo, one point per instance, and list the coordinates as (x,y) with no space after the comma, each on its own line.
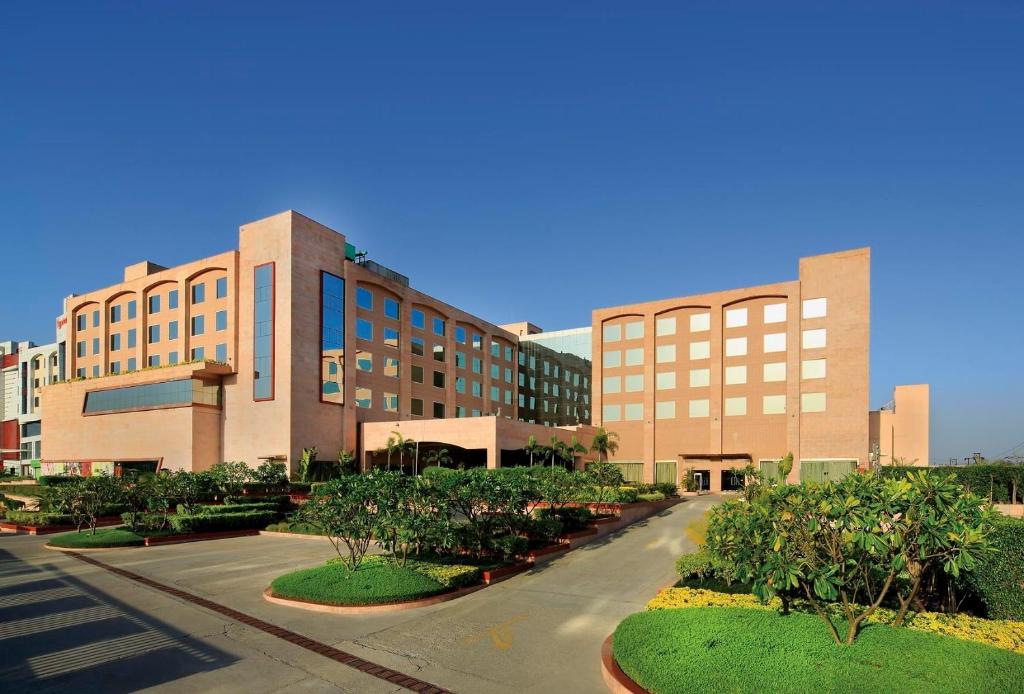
(345,510)
(230,478)
(853,544)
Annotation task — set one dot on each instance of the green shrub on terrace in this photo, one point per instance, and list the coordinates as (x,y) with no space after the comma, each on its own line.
(39,519)
(998,580)
(280,500)
(652,496)
(206,523)
(213,509)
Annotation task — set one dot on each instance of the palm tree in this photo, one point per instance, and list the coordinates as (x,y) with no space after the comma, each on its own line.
(574,448)
(605,443)
(390,446)
(556,449)
(533,448)
(438,457)
(403,446)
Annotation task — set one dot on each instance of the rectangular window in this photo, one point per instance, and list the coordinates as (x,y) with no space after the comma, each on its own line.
(634,330)
(665,354)
(80,348)
(391,310)
(775,342)
(115,367)
(611,384)
(700,350)
(508,399)
(439,326)
(364,329)
(390,337)
(495,393)
(735,375)
(700,322)
(635,357)
(460,360)
(115,342)
(172,330)
(633,412)
(131,364)
(439,410)
(416,407)
(495,371)
(80,322)
(417,346)
(773,404)
(222,287)
(665,409)
(634,383)
(198,354)
(154,304)
(812,402)
(508,376)
(364,398)
(700,378)
(263,332)
(611,413)
(439,379)
(95,345)
(154,360)
(509,355)
(95,319)
(391,367)
(735,407)
(80,373)
(665,326)
(115,314)
(736,318)
(478,341)
(478,389)
(418,320)
(221,353)
(495,350)
(774,372)
(612,333)
(812,368)
(665,380)
(152,395)
(438,352)
(198,325)
(815,308)
(460,384)
(172,299)
(460,335)
(221,319)
(814,339)
(391,402)
(364,298)
(416,373)
(364,361)
(199,293)
(775,313)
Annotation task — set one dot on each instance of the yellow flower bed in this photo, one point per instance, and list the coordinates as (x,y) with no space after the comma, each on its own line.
(1000,633)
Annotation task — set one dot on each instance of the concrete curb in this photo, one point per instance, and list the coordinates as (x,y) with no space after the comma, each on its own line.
(617,681)
(368,609)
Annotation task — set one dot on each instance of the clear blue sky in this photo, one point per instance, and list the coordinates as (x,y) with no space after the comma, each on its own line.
(691,147)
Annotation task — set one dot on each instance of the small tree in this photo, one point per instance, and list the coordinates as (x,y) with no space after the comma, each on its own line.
(346,462)
(785,467)
(346,512)
(90,497)
(306,461)
(230,478)
(532,448)
(271,474)
(189,489)
(438,457)
(605,476)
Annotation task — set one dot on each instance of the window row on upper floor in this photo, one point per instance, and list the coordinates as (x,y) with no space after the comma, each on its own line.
(775,372)
(734,347)
(154,304)
(701,408)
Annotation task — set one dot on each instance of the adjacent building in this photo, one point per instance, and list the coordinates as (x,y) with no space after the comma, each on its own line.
(25,369)
(899,429)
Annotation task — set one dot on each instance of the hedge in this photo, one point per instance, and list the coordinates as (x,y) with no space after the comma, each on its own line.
(39,519)
(650,496)
(21,489)
(983,480)
(233,509)
(999,580)
(56,480)
(279,500)
(209,522)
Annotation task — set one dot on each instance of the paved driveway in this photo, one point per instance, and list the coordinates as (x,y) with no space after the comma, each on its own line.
(62,620)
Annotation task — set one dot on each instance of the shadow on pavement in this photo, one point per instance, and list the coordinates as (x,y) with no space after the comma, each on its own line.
(58,633)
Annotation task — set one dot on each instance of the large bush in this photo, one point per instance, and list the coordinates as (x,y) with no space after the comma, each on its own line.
(210,522)
(39,518)
(853,543)
(997,483)
(998,580)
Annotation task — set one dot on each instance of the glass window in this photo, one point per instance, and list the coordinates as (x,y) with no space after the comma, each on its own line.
(612,333)
(198,293)
(634,411)
(115,314)
(634,330)
(95,371)
(460,360)
(665,354)
(80,348)
(775,371)
(416,407)
(611,413)
(154,334)
(736,347)
(495,350)
(364,398)
(495,371)
(198,325)
(812,368)
(495,393)
(612,359)
(131,337)
(508,376)
(391,367)
(416,373)
(364,329)
(131,364)
(183,391)
(460,384)
(364,298)
(439,410)
(391,310)
(699,322)
(172,357)
(115,342)
(364,361)
(438,352)
(221,319)
(735,407)
(172,299)
(815,308)
(700,350)
(478,365)
(222,352)
(115,367)
(774,342)
(812,402)
(439,326)
(509,355)
(735,375)
(154,360)
(611,384)
(391,402)
(222,287)
(735,318)
(154,304)
(460,335)
(775,313)
(665,380)
(80,373)
(478,341)
(665,409)
(96,319)
(418,346)
(263,332)
(80,322)
(634,383)
(665,326)
(508,399)
(773,404)
(390,337)
(814,339)
(95,345)
(635,357)
(700,378)
(478,389)
(198,353)
(172,330)
(418,321)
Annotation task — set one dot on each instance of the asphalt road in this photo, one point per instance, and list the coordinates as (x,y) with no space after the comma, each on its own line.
(66,625)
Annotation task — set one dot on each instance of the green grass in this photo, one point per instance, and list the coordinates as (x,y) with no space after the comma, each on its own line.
(105,537)
(742,650)
(377,581)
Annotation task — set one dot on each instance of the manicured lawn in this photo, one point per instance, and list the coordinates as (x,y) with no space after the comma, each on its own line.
(747,650)
(104,537)
(376,581)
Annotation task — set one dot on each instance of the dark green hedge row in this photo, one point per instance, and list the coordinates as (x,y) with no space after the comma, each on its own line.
(206,523)
(995,481)
(38,519)
(234,508)
(55,480)
(20,489)
(999,580)
(280,500)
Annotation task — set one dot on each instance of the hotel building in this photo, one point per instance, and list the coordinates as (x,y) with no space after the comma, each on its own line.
(25,369)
